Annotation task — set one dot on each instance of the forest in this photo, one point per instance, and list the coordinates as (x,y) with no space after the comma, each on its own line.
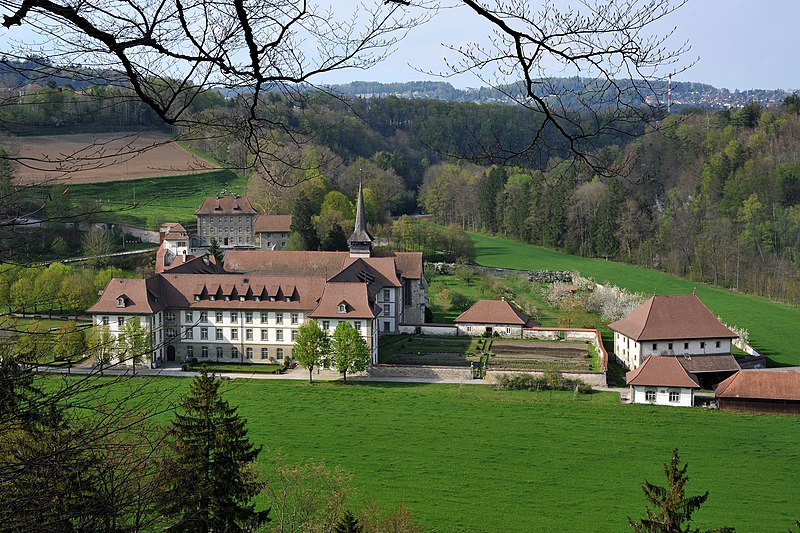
(709,195)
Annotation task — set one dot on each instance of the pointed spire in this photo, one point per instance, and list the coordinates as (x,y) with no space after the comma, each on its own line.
(360,241)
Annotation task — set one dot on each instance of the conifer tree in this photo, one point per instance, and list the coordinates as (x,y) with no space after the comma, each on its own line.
(210,471)
(302,223)
(672,509)
(347,523)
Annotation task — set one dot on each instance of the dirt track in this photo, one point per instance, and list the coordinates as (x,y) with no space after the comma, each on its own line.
(94,158)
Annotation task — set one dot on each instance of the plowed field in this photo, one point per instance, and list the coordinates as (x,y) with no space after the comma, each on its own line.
(95,158)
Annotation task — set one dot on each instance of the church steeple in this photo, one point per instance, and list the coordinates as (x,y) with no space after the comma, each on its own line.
(360,241)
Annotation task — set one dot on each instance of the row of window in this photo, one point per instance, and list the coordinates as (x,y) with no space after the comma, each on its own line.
(225,230)
(294,318)
(674,396)
(226,220)
(188,333)
(686,345)
(234,352)
(248,332)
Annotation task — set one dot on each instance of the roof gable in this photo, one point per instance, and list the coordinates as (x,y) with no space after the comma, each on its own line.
(493,312)
(226,205)
(354,296)
(661,371)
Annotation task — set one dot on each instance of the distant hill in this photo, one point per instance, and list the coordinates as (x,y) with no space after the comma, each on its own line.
(684,94)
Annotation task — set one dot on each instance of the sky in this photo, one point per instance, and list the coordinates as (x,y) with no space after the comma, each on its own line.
(741,44)
(738,44)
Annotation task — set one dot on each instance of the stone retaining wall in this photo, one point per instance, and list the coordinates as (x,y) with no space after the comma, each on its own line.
(420,372)
(429,329)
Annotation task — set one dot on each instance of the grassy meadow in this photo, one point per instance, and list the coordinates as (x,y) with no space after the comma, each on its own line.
(772,326)
(147,202)
(470,458)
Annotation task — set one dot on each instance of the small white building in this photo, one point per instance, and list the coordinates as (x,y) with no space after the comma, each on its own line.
(490,317)
(662,381)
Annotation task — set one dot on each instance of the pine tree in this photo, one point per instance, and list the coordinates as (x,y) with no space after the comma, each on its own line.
(347,523)
(302,223)
(215,250)
(210,471)
(673,509)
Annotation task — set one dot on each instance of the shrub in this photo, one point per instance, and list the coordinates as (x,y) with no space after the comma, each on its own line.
(460,302)
(551,380)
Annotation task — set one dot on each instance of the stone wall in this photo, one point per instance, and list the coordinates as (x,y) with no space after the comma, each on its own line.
(429,329)
(143,235)
(420,372)
(594,379)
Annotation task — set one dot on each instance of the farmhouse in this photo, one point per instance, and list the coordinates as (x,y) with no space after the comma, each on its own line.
(250,310)
(676,325)
(490,317)
(760,391)
(662,381)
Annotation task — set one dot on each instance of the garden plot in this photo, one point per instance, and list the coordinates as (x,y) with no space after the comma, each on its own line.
(509,355)
(503,354)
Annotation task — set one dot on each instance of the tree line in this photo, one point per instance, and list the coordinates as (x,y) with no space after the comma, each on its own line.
(713,196)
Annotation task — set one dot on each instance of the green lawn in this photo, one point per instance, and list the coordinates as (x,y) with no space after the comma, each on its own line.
(772,326)
(470,458)
(156,199)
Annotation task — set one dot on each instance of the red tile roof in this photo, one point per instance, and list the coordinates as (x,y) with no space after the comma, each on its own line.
(709,363)
(292,263)
(226,205)
(140,296)
(661,371)
(761,384)
(353,295)
(682,316)
(494,312)
(179,290)
(380,270)
(272,224)
(408,263)
(285,262)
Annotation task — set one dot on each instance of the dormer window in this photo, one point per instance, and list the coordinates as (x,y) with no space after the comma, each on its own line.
(288,299)
(196,297)
(212,297)
(241,298)
(227,298)
(121,301)
(342,307)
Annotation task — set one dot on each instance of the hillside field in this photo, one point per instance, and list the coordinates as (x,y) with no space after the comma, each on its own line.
(772,326)
(101,157)
(470,458)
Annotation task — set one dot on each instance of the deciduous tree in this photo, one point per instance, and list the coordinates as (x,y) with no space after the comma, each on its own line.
(312,347)
(349,351)
(134,343)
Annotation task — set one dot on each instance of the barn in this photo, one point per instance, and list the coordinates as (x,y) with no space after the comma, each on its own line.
(760,391)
